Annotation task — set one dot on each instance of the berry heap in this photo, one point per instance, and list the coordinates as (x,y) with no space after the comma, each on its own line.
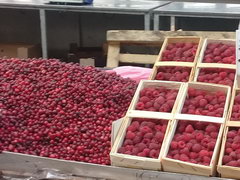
(194,142)
(220,53)
(236,109)
(184,52)
(144,137)
(200,102)
(169,73)
(158,99)
(217,76)
(232,148)
(58,110)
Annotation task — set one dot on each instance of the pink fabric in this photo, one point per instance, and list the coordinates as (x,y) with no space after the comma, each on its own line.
(134,73)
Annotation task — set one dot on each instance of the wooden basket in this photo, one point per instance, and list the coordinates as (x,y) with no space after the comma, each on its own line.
(206,65)
(151,114)
(130,161)
(212,65)
(223,170)
(172,64)
(178,166)
(207,87)
(183,39)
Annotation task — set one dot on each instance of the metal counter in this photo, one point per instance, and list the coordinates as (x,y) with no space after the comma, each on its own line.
(189,9)
(131,7)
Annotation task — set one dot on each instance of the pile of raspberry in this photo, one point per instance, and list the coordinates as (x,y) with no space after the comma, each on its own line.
(194,142)
(144,137)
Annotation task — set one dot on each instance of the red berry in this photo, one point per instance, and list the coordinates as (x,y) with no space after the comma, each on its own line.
(189,129)
(196,148)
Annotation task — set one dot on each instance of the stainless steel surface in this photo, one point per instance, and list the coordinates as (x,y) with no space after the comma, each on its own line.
(43,33)
(106,6)
(31,164)
(214,10)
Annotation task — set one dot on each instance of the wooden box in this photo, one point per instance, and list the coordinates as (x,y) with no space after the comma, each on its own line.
(180,39)
(132,161)
(206,66)
(132,112)
(178,166)
(173,165)
(224,170)
(217,65)
(172,64)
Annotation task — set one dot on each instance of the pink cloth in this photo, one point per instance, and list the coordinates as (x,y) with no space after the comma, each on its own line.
(134,73)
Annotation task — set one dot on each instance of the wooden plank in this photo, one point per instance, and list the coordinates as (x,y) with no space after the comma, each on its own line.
(113,55)
(159,36)
(138,58)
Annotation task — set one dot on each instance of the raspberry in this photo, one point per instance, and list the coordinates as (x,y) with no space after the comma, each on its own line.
(189,129)
(153,153)
(233,155)
(236,139)
(199,136)
(211,128)
(153,146)
(205,142)
(148,105)
(231,134)
(183,157)
(193,155)
(141,146)
(131,128)
(185,151)
(174,152)
(146,151)
(206,160)
(142,154)
(135,151)
(228,150)
(145,129)
(121,150)
(159,136)
(203,153)
(130,135)
(146,141)
(144,99)
(203,102)
(235,146)
(128,142)
(181,144)
(232,163)
(135,124)
(140,106)
(211,145)
(129,147)
(137,140)
(226,159)
(196,148)
(176,156)
(174,145)
(151,124)
(214,135)
(148,135)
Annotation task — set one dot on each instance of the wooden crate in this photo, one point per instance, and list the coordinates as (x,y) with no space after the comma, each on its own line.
(132,112)
(217,65)
(206,66)
(131,161)
(234,93)
(182,39)
(178,166)
(207,87)
(224,170)
(172,64)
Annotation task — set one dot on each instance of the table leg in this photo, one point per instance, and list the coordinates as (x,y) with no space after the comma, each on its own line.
(155,22)
(43,32)
(172,23)
(147,21)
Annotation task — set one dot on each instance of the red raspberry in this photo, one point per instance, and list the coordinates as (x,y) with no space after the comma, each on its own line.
(226,159)
(153,153)
(203,153)
(205,142)
(185,151)
(121,150)
(148,135)
(128,142)
(153,146)
(232,163)
(146,141)
(174,145)
(228,150)
(141,146)
(203,102)
(173,152)
(130,135)
(199,136)
(145,129)
(211,128)
(135,151)
(189,129)
(193,155)
(142,154)
(181,144)
(206,160)
(196,148)
(140,106)
(231,134)
(236,139)
(214,135)
(144,99)
(233,155)
(176,156)
(146,151)
(137,140)
(183,157)
(235,146)
(211,145)
(159,136)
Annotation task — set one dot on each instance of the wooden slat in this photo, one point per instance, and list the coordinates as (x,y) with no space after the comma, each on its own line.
(113,55)
(138,58)
(159,36)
